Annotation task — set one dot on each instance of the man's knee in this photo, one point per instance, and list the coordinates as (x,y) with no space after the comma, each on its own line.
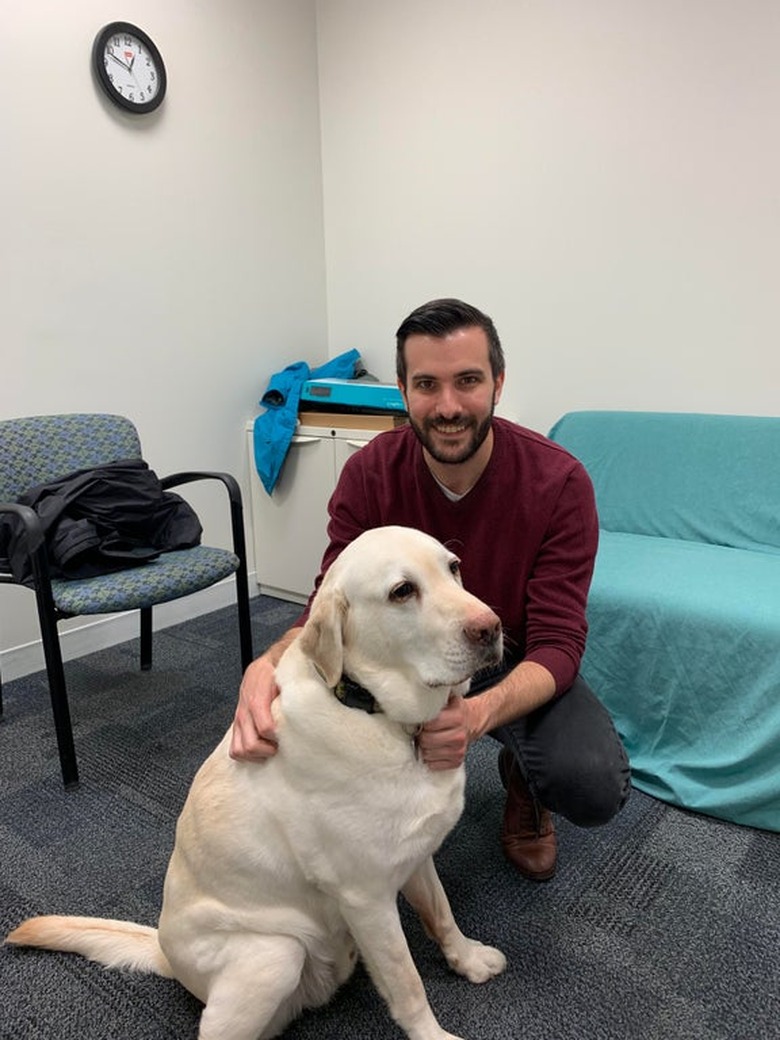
(587,792)
(587,768)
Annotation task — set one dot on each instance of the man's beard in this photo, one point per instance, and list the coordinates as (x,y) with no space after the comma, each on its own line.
(478,431)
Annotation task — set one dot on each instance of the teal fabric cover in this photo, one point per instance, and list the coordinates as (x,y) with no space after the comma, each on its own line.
(684,609)
(703,478)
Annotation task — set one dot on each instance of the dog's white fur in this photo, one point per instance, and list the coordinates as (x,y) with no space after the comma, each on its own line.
(282,871)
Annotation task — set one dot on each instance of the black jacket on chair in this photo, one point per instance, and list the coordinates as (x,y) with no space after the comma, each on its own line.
(100,520)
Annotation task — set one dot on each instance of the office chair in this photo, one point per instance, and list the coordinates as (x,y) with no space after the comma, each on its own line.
(40,449)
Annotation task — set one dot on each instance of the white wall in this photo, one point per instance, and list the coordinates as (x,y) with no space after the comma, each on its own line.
(601,177)
(160,266)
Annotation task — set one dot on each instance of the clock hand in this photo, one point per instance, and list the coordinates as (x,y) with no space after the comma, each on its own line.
(119,61)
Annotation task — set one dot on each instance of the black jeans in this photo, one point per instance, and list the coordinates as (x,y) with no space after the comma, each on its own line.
(569,753)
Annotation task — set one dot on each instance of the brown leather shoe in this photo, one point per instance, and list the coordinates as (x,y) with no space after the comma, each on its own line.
(527,833)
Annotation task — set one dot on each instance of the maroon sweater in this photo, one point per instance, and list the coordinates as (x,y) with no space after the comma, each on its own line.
(526,533)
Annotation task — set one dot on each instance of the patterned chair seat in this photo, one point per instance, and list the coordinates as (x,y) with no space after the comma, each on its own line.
(171,576)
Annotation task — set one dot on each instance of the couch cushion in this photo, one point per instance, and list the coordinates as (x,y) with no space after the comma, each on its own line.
(683,651)
(709,478)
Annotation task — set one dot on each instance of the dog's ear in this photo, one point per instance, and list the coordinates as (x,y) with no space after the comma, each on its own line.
(321,639)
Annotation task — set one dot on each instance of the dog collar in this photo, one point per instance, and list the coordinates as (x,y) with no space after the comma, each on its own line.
(353,695)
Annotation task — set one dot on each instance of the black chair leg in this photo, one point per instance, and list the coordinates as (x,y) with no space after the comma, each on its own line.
(244,617)
(59,696)
(146,638)
(242,577)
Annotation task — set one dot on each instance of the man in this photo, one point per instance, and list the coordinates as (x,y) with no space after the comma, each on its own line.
(519,511)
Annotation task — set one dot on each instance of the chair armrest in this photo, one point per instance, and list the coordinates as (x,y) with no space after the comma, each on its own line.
(188,477)
(234,494)
(36,547)
(239,547)
(30,522)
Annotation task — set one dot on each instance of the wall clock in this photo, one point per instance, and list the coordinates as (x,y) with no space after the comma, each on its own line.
(129,67)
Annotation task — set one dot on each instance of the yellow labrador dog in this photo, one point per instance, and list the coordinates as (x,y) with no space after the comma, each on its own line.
(283,871)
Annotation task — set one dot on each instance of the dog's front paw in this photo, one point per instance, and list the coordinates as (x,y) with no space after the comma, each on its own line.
(477,962)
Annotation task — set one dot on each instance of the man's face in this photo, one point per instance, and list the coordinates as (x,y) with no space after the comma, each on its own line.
(450,392)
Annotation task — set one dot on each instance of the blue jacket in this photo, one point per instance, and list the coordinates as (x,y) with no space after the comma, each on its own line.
(274,429)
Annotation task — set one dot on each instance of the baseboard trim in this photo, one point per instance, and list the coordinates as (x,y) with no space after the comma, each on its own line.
(85,635)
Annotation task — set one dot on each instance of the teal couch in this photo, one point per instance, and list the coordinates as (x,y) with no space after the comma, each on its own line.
(684,610)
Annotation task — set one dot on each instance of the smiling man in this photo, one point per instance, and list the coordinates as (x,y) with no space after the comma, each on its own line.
(519,511)
(451,393)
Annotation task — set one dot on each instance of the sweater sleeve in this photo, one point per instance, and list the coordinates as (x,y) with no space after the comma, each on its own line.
(558,585)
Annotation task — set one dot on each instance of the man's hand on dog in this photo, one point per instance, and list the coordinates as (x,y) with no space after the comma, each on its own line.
(254,735)
(442,742)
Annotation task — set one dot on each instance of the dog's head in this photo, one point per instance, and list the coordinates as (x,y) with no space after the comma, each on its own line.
(393,615)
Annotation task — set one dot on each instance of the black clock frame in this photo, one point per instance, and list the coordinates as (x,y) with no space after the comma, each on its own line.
(98,65)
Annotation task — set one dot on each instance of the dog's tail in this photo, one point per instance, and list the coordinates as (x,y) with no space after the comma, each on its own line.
(117,944)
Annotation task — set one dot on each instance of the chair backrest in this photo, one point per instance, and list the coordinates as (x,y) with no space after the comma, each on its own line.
(41,448)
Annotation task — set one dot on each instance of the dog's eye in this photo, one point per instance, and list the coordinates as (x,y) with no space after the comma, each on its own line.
(455,567)
(405,590)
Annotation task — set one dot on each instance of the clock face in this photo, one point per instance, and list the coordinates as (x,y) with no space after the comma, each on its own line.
(129,67)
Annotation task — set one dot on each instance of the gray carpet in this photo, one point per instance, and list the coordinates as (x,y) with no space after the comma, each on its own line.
(661,926)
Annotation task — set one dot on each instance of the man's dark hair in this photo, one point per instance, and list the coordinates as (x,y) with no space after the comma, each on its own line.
(439,318)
